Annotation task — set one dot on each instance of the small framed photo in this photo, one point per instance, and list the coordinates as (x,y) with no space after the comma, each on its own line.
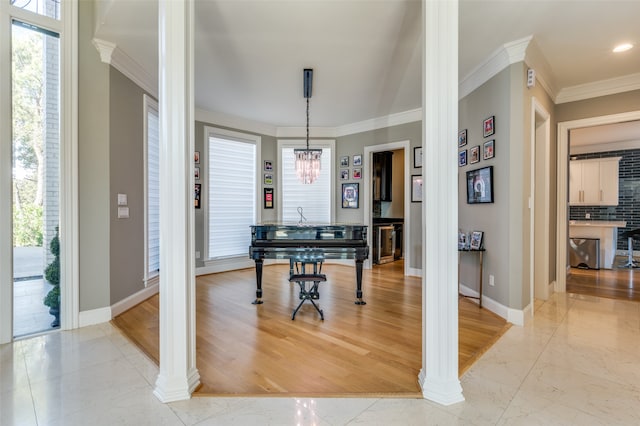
(417,157)
(196,157)
(196,173)
(344,161)
(268,165)
(488,149)
(357,160)
(462,158)
(476,240)
(462,138)
(489,126)
(462,240)
(268,198)
(350,192)
(268,178)
(474,154)
(357,173)
(344,174)
(196,198)
(416,188)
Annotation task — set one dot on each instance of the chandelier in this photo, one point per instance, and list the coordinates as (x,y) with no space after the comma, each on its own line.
(307,160)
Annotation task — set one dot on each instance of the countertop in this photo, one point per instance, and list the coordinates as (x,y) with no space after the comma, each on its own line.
(599,223)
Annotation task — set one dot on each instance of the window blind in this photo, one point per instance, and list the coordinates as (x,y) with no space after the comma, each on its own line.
(315,199)
(153,191)
(231,196)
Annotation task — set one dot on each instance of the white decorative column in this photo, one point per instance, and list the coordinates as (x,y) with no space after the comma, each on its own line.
(178,375)
(439,375)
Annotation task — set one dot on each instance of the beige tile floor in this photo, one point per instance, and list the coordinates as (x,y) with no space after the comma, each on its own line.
(576,363)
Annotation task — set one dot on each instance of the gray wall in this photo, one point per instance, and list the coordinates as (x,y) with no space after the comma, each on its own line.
(596,107)
(93,166)
(126,153)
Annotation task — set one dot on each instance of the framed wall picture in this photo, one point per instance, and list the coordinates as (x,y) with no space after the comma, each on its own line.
(462,158)
(462,138)
(268,178)
(488,150)
(196,157)
(489,126)
(357,160)
(416,188)
(350,195)
(474,154)
(344,161)
(268,198)
(417,157)
(480,185)
(196,173)
(476,240)
(344,174)
(196,197)
(268,165)
(357,173)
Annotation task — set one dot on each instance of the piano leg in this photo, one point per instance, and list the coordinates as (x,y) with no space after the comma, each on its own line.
(258,300)
(359,300)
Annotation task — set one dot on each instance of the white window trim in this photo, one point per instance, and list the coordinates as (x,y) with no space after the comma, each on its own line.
(148,103)
(236,262)
(300,143)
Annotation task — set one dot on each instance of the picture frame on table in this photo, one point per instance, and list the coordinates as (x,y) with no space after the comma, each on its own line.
(462,138)
(488,149)
(350,195)
(476,240)
(462,158)
(417,157)
(480,185)
(489,126)
(416,188)
(474,154)
(357,160)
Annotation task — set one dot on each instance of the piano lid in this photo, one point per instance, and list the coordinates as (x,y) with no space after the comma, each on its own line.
(307,231)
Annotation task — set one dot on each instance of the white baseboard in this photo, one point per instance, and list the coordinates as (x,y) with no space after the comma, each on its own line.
(94,316)
(414,272)
(134,299)
(514,316)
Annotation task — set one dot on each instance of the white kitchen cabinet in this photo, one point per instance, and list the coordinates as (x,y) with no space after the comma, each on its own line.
(594,182)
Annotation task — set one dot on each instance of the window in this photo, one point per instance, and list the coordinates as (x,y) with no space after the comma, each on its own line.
(152,190)
(316,199)
(231,201)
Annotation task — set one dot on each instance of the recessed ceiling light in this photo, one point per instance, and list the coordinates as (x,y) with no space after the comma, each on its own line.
(622,47)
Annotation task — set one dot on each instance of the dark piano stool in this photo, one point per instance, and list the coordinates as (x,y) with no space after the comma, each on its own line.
(309,284)
(633,234)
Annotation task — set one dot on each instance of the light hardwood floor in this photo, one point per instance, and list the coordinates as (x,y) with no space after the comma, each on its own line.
(616,283)
(375,349)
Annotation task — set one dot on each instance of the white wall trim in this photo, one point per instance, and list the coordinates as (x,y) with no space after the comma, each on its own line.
(501,58)
(224,265)
(94,316)
(599,88)
(563,176)
(133,300)
(606,147)
(514,316)
(111,54)
(534,58)
(226,120)
(413,272)
(380,122)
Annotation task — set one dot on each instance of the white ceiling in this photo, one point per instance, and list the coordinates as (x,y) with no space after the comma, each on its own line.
(365,53)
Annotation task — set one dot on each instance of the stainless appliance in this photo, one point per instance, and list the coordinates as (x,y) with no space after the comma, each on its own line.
(386,244)
(584,253)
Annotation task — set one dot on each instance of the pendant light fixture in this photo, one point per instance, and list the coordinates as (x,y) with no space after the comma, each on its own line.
(307,160)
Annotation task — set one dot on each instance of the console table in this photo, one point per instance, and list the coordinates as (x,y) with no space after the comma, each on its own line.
(480,254)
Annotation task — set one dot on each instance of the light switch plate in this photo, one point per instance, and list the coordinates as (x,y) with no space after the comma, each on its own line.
(122,199)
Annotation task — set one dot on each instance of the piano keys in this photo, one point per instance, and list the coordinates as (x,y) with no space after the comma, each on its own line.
(311,244)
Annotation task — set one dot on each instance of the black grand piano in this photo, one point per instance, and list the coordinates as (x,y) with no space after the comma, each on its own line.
(310,244)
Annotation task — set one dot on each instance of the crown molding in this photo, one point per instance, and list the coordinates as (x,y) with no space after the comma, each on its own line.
(235,122)
(380,122)
(501,58)
(534,58)
(599,88)
(114,56)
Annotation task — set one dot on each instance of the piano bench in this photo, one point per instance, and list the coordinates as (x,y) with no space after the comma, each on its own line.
(308,292)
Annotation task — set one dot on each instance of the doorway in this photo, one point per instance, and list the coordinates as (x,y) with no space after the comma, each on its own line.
(401,153)
(564,128)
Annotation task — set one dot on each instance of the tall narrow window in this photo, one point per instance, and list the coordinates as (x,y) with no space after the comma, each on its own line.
(152,188)
(231,201)
(315,199)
